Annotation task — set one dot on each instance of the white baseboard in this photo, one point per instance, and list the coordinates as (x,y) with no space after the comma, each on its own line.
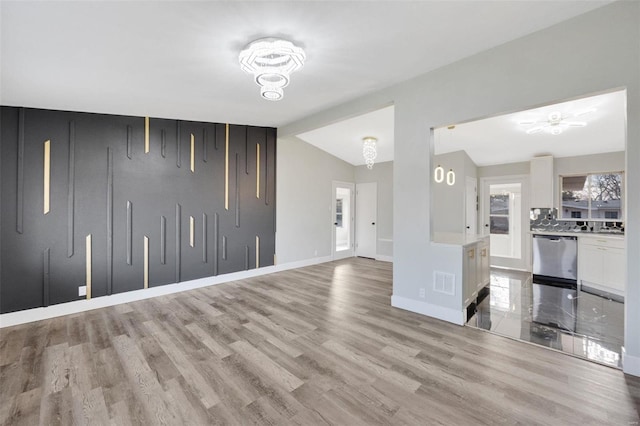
(630,364)
(424,308)
(38,314)
(384,258)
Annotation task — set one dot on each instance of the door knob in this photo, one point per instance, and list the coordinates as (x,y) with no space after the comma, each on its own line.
(335,223)
(373,223)
(468,227)
(486,225)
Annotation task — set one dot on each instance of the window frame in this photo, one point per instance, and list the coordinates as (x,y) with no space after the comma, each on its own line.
(588,218)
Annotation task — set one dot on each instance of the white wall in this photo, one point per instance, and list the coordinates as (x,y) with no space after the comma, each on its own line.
(304,176)
(382,174)
(592,53)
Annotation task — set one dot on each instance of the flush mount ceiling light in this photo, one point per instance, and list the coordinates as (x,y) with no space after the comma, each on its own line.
(271,61)
(555,123)
(369,151)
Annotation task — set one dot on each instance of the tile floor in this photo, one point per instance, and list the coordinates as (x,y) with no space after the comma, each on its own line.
(576,322)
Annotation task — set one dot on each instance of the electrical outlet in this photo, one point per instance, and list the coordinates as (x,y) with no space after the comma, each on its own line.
(422,292)
(82,290)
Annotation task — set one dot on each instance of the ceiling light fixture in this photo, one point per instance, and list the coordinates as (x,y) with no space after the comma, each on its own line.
(369,151)
(555,123)
(271,61)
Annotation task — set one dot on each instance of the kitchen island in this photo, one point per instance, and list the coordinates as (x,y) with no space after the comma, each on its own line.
(474,268)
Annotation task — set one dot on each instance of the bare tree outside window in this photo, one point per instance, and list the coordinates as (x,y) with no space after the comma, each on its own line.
(592,196)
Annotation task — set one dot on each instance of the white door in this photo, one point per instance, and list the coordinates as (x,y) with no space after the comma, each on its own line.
(343,220)
(471,205)
(505,218)
(366,219)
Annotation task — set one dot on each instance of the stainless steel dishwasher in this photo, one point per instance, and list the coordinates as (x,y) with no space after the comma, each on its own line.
(555,258)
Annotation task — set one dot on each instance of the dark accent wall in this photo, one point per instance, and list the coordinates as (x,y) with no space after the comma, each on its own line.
(103,183)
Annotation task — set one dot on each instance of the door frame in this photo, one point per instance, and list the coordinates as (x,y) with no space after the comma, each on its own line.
(525,263)
(351,251)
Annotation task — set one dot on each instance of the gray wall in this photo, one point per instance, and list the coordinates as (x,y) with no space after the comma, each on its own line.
(448,207)
(510,169)
(592,53)
(304,223)
(382,174)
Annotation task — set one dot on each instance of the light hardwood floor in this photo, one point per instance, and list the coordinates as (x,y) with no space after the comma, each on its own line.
(317,345)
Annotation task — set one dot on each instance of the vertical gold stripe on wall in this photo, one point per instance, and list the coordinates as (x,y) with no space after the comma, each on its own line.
(87,279)
(192,231)
(146,135)
(226,167)
(146,262)
(257,170)
(47,175)
(193,158)
(257,251)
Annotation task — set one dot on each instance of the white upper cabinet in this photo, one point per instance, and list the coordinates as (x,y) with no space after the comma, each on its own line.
(541,170)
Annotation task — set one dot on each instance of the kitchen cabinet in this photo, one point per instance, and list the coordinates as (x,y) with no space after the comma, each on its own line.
(541,172)
(470,274)
(484,275)
(476,269)
(602,264)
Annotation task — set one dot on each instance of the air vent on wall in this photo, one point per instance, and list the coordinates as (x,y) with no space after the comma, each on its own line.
(444,282)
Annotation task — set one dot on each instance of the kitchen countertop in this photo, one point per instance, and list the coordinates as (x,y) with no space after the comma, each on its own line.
(457,239)
(580,234)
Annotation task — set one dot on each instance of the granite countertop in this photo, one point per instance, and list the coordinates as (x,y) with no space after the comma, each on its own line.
(457,239)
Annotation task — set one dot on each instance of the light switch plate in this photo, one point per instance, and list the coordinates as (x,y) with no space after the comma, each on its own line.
(82,290)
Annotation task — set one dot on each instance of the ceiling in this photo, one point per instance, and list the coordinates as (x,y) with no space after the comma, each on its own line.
(180,59)
(502,139)
(344,139)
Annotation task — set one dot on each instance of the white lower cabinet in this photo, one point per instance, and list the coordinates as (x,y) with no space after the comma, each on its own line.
(470,271)
(475,269)
(602,264)
(483,264)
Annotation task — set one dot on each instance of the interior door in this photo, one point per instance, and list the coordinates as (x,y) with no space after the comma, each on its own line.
(343,220)
(471,205)
(505,218)
(366,219)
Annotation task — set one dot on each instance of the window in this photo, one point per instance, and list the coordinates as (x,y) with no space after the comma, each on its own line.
(592,196)
(499,214)
(339,212)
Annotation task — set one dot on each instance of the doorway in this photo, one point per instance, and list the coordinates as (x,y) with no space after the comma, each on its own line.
(505,219)
(343,220)
(366,219)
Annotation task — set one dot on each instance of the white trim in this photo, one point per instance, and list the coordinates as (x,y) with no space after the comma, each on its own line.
(384,258)
(38,314)
(446,314)
(630,363)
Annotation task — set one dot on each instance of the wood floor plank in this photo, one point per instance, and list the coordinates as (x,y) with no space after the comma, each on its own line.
(312,346)
(145,385)
(208,396)
(270,368)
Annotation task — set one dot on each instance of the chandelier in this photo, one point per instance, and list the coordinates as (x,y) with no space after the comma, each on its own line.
(555,123)
(271,61)
(369,151)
